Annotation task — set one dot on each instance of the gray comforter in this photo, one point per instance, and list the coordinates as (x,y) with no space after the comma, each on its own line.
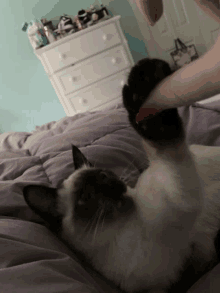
(31,258)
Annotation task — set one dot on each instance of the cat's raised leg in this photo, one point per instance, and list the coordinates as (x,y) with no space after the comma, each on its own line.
(169,194)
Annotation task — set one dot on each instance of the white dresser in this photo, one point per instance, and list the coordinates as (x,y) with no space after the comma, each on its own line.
(88,68)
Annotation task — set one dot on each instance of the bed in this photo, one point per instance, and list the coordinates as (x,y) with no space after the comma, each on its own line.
(32,259)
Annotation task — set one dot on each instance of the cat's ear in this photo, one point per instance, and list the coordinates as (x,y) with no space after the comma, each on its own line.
(43,201)
(79,159)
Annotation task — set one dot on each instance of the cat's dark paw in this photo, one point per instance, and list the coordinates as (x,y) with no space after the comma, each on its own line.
(164,128)
(142,79)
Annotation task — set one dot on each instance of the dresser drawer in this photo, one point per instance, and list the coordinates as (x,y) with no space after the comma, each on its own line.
(99,93)
(81,47)
(96,68)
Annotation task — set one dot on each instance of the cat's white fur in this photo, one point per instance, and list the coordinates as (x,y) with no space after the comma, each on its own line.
(177,202)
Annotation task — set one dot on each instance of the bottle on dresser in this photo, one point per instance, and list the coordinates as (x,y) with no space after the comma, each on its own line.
(36,34)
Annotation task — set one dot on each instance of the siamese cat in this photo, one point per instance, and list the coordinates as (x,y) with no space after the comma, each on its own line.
(157,237)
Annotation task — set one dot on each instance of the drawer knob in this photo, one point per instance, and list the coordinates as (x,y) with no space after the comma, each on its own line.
(116,60)
(104,37)
(83,101)
(62,56)
(74,78)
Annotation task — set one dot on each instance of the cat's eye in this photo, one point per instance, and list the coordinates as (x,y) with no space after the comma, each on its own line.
(103,175)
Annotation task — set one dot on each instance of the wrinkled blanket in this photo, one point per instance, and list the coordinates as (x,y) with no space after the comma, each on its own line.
(31,258)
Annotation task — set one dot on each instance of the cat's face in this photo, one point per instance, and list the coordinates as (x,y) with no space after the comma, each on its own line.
(96,197)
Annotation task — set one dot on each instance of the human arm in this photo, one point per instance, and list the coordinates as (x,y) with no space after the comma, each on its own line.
(198,80)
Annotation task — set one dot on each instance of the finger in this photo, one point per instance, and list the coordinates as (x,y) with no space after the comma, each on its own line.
(145,112)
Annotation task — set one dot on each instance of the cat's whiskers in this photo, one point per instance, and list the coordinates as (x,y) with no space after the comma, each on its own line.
(97,224)
(125,170)
(103,220)
(132,172)
(93,220)
(130,175)
(90,224)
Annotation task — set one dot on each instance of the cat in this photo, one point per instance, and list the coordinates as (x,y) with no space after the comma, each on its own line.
(159,236)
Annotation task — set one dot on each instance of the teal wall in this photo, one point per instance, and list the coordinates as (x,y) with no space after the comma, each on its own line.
(27,97)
